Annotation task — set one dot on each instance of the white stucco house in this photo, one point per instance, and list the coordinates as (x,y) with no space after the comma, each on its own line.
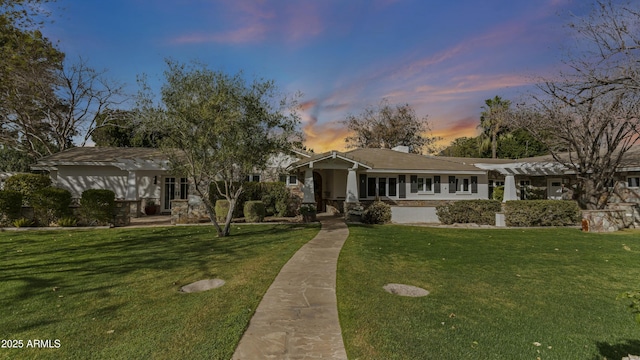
(133,174)
(412,184)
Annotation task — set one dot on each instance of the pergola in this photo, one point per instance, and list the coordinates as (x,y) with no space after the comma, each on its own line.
(510,170)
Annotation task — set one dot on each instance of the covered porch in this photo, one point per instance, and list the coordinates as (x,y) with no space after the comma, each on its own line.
(330,180)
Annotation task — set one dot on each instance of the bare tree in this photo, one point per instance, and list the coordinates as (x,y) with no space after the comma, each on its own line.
(387,126)
(63,111)
(589,116)
(83,96)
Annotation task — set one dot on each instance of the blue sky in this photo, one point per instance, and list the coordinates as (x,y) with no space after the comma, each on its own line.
(443,57)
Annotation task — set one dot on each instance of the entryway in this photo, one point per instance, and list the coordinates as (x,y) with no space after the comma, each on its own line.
(173,189)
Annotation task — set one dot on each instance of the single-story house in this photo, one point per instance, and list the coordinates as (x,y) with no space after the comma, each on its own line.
(413,184)
(137,175)
(133,174)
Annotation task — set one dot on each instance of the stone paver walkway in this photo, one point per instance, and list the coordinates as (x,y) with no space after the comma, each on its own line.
(298,316)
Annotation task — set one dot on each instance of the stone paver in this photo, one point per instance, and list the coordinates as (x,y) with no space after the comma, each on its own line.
(298,316)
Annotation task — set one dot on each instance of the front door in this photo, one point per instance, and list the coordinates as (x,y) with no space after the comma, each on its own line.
(554,189)
(317,191)
(174,190)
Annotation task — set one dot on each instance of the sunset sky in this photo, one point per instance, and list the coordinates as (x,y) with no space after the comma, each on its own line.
(444,58)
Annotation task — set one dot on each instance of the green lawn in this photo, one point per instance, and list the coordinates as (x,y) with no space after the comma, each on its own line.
(495,294)
(113,294)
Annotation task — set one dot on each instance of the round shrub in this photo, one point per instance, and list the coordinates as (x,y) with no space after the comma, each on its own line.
(254,211)
(377,213)
(49,204)
(222,209)
(98,206)
(27,185)
(10,206)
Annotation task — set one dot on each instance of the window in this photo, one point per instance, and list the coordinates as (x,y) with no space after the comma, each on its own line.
(392,186)
(428,187)
(184,188)
(525,185)
(382,187)
(362,189)
(292,180)
(254,178)
(464,186)
(371,186)
(633,181)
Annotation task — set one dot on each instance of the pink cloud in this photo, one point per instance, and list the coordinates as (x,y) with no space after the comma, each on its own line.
(254,21)
(253,33)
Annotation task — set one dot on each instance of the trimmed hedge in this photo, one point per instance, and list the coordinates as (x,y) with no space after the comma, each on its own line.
(254,211)
(27,185)
(377,213)
(50,204)
(542,213)
(10,206)
(98,206)
(481,212)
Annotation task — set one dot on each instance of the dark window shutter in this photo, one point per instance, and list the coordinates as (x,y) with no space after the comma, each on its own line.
(402,188)
(436,184)
(452,184)
(474,184)
(414,184)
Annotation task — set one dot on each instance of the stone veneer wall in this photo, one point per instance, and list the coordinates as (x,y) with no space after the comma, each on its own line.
(189,211)
(122,216)
(618,216)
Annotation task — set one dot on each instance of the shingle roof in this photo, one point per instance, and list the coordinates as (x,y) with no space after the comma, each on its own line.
(386,159)
(102,154)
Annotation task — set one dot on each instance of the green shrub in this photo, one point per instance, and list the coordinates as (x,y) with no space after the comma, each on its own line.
(27,185)
(222,209)
(254,211)
(10,206)
(49,204)
(97,206)
(377,213)
(481,212)
(67,221)
(22,222)
(276,198)
(498,193)
(542,213)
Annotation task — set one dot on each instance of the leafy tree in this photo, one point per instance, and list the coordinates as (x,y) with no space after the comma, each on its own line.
(219,127)
(593,110)
(463,147)
(121,128)
(387,126)
(12,160)
(28,62)
(519,144)
(492,122)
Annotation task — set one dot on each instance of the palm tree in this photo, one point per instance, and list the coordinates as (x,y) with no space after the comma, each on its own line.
(492,121)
